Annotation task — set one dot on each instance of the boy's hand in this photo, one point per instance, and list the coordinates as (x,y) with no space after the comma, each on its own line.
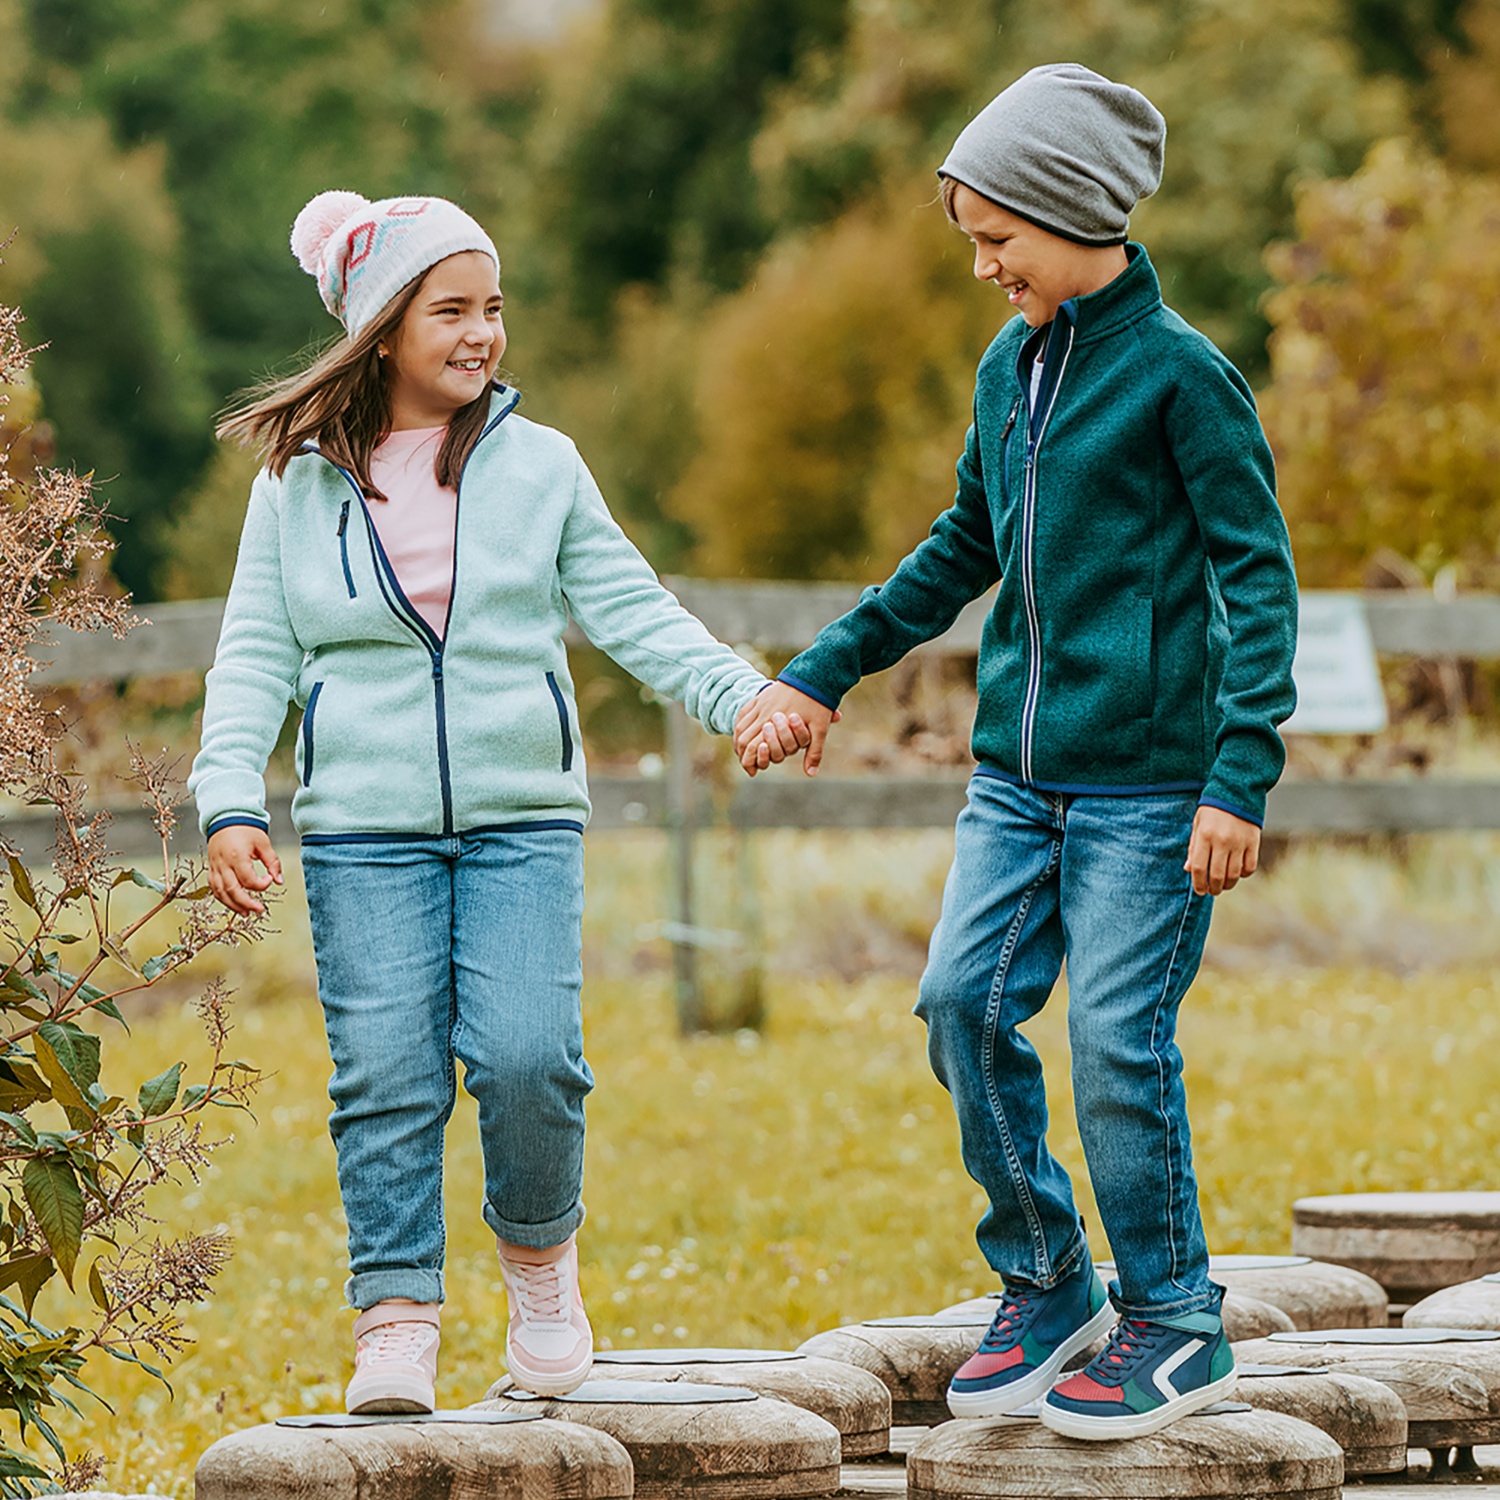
(1223,851)
(777,723)
(233,854)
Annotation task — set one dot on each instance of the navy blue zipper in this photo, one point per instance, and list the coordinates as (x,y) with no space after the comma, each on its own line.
(562,719)
(344,546)
(402,607)
(1036,428)
(307,733)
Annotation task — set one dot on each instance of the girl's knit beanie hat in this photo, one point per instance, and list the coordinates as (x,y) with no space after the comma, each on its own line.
(1066,149)
(363,253)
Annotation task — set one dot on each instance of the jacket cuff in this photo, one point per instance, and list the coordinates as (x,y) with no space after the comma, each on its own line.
(803,686)
(1238,810)
(235,820)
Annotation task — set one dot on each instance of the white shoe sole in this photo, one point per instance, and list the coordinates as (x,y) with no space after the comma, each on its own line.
(552,1382)
(1102,1429)
(1003,1401)
(382,1395)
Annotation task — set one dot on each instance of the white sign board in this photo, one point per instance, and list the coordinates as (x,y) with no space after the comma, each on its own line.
(1338,684)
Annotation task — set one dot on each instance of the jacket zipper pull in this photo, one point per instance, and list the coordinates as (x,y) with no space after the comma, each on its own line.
(437,667)
(1010,421)
(343,518)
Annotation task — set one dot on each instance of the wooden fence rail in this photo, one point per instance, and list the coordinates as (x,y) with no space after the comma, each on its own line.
(779,617)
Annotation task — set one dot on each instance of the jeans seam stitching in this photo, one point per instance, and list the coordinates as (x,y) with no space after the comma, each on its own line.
(1161,1102)
(992,1011)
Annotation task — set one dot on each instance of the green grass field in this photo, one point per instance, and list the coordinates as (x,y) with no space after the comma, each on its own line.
(755,1188)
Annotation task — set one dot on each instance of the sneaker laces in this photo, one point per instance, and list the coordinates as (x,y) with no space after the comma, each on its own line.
(1009,1325)
(541,1289)
(1130,1343)
(404,1341)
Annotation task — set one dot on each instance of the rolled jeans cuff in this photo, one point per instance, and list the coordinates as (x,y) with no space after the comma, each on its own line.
(535,1236)
(1205,1302)
(412,1283)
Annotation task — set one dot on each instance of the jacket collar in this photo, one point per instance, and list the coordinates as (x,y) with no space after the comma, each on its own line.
(1134,294)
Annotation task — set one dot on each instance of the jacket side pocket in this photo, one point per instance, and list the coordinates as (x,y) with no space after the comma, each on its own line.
(307,732)
(562,720)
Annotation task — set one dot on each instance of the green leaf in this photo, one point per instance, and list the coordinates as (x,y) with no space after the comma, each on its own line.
(64,1089)
(198,893)
(147,883)
(64,938)
(194,1095)
(97,1289)
(21,1127)
(136,1135)
(19,984)
(157,1095)
(31,1271)
(21,880)
(54,1197)
(76,1049)
(13,1466)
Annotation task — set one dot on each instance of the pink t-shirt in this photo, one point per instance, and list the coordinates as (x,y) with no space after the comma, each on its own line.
(417,519)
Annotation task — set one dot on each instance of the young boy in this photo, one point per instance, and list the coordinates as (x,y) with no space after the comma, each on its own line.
(1132,673)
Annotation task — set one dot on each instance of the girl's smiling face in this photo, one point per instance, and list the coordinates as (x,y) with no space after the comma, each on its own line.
(449,343)
(1038,271)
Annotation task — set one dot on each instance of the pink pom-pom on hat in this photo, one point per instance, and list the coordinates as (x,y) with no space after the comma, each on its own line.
(318,222)
(362,253)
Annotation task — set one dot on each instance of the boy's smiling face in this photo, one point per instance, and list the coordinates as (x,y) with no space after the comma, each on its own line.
(1038,271)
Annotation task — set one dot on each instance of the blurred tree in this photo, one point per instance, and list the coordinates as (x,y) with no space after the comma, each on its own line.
(1384,410)
(833,396)
(248,107)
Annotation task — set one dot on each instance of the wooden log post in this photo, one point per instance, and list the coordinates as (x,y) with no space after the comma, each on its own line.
(1313,1294)
(851,1399)
(1474,1304)
(1365,1418)
(1413,1244)
(416,1460)
(1233,1456)
(700,1441)
(915,1358)
(1448,1379)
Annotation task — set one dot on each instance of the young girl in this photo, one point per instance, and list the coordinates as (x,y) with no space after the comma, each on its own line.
(411,554)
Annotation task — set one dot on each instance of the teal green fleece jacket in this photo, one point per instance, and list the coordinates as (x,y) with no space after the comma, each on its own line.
(408,732)
(1143,631)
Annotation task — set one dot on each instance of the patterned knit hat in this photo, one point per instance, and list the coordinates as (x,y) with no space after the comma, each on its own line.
(363,253)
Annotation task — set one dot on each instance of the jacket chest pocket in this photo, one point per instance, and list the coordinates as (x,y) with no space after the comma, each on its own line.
(308,742)
(561,705)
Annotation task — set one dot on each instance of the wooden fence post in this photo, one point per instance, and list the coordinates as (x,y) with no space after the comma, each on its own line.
(681,819)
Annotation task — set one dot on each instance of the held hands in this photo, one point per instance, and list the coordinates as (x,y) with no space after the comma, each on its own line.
(1223,851)
(233,854)
(779,722)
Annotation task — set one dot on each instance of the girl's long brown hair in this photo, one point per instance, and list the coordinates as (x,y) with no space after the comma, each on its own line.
(341,401)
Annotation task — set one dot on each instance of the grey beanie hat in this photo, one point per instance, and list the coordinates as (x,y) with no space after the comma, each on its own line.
(1065,149)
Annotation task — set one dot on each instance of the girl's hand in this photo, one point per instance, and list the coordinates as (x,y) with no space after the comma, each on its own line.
(233,854)
(1223,851)
(777,723)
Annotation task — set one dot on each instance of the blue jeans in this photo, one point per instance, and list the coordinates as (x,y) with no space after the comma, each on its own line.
(434,949)
(1037,878)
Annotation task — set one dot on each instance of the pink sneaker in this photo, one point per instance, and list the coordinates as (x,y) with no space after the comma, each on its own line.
(395,1358)
(549,1346)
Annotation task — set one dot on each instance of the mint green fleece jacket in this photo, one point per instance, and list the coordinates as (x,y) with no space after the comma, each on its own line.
(1142,635)
(408,732)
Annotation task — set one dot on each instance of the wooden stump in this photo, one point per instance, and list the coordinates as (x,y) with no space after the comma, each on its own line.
(1475,1304)
(1413,1244)
(1250,1318)
(914,1358)
(526,1460)
(700,1441)
(1235,1456)
(1365,1418)
(1448,1379)
(853,1400)
(1313,1294)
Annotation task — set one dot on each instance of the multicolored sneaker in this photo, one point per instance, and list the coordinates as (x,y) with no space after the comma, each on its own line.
(1147,1376)
(1032,1337)
(395,1358)
(549,1346)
